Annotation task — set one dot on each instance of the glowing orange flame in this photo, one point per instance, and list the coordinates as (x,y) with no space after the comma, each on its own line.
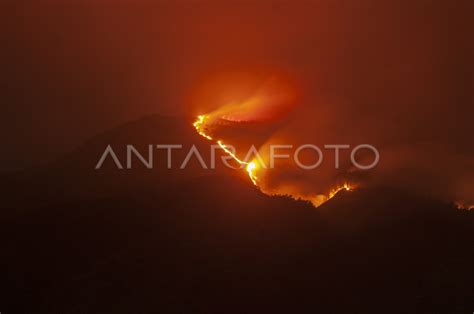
(251,167)
(198,125)
(463,205)
(346,186)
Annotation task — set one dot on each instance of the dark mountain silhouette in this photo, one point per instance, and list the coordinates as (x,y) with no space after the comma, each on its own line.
(77,240)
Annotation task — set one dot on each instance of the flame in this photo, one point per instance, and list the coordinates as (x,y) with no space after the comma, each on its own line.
(346,186)
(268,99)
(198,125)
(463,205)
(251,167)
(315,199)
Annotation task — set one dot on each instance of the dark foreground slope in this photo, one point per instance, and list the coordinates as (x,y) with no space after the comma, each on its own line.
(214,244)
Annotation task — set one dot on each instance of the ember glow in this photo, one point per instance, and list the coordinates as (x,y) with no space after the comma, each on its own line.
(270,100)
(346,186)
(251,168)
(463,205)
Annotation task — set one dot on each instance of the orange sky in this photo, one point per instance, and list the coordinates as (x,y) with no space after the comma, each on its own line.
(397,74)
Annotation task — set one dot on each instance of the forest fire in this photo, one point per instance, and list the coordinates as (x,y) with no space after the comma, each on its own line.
(463,205)
(346,186)
(251,167)
(269,101)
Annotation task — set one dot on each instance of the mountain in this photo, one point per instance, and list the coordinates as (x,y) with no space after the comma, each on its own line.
(80,240)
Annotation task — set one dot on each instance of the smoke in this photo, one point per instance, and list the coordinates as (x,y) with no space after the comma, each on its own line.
(396,75)
(423,142)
